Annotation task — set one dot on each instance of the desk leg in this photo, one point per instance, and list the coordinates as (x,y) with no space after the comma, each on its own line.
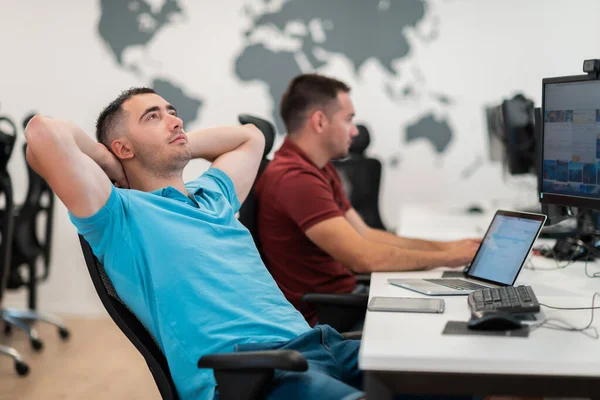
(376,389)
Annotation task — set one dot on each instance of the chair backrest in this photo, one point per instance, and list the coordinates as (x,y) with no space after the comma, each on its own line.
(130,325)
(34,205)
(248,211)
(362,176)
(32,208)
(7,142)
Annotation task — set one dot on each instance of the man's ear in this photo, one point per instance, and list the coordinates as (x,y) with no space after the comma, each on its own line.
(122,149)
(318,121)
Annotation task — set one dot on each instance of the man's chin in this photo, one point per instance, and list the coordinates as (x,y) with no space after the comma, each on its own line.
(342,156)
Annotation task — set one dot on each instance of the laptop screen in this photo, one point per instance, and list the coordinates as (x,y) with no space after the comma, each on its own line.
(505,247)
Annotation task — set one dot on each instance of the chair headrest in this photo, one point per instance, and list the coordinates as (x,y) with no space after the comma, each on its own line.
(7,142)
(265,127)
(360,141)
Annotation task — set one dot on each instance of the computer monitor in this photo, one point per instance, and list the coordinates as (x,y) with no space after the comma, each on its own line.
(570,151)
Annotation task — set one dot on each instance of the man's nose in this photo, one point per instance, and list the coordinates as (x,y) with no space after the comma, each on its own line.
(354,131)
(175,123)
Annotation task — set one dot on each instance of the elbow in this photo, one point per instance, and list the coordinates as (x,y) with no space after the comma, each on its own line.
(38,133)
(254,133)
(33,128)
(256,137)
(34,132)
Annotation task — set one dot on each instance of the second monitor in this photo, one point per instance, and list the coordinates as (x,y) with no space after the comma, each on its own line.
(571,142)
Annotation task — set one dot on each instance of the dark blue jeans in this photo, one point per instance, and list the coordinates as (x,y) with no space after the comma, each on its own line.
(332,374)
(332,367)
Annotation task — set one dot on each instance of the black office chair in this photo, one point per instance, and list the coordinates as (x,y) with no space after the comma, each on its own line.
(363,177)
(248,209)
(340,311)
(240,376)
(7,142)
(27,249)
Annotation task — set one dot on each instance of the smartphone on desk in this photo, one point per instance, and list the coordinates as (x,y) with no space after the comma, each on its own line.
(407,304)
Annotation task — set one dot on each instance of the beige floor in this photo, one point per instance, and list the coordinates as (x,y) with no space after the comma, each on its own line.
(97,362)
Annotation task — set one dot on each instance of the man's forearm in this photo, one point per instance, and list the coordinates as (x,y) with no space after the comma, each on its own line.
(385,257)
(380,236)
(64,133)
(211,143)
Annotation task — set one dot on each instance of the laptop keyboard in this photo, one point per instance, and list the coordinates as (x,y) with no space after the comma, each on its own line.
(458,284)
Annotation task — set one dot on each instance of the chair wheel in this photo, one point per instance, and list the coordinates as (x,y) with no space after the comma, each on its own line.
(7,329)
(64,333)
(22,368)
(37,344)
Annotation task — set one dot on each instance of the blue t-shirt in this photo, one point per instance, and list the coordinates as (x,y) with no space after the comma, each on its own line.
(191,273)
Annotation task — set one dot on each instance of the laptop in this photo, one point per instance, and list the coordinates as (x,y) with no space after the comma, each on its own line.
(498,261)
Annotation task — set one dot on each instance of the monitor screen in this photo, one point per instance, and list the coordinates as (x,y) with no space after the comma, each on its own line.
(571,142)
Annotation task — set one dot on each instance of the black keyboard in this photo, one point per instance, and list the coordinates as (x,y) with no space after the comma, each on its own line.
(511,299)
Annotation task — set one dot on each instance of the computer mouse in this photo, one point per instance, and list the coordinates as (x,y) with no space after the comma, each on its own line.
(493,320)
(475,209)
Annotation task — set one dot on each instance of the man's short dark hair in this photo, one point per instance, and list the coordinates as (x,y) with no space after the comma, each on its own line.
(111,118)
(305,92)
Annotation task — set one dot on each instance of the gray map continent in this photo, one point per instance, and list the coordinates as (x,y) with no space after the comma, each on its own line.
(436,132)
(121,23)
(351,34)
(187,107)
(275,69)
(361,30)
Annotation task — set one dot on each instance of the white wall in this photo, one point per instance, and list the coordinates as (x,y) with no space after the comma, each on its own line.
(52,60)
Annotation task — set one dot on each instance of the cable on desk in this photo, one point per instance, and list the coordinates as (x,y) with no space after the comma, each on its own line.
(593,275)
(553,323)
(547,251)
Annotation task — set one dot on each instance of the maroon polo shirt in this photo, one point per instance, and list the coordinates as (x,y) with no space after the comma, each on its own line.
(293,194)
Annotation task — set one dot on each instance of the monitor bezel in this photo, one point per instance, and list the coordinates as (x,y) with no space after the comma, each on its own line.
(553,198)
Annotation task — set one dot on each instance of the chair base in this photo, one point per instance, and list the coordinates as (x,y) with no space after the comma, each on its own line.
(20,366)
(22,319)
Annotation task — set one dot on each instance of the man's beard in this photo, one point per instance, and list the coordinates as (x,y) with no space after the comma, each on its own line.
(341,156)
(163,166)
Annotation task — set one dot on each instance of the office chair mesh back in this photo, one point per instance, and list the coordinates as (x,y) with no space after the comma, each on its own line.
(27,246)
(362,178)
(34,206)
(130,325)
(7,142)
(6,219)
(248,211)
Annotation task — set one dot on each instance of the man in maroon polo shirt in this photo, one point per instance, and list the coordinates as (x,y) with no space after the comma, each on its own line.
(311,238)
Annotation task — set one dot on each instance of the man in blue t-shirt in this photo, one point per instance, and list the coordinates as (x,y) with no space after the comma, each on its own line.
(175,252)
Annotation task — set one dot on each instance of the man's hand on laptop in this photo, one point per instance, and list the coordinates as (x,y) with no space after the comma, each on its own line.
(461,252)
(113,168)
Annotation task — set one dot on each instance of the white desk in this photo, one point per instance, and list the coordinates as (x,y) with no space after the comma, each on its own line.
(407,353)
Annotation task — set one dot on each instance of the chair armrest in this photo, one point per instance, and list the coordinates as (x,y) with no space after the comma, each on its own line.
(363,278)
(337,299)
(355,335)
(287,360)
